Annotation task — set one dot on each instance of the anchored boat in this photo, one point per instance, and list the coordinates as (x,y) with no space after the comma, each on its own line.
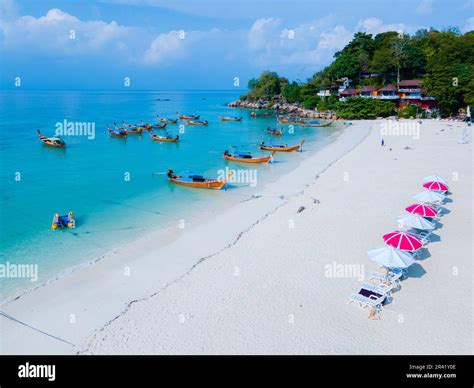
(193,180)
(274,131)
(118,133)
(55,142)
(281,147)
(246,157)
(227,118)
(188,117)
(196,122)
(63,221)
(316,123)
(168,120)
(168,138)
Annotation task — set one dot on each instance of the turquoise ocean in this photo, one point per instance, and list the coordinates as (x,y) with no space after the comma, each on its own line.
(116,187)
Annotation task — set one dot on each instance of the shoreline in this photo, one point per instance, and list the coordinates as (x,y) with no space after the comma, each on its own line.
(249,279)
(132,254)
(167,232)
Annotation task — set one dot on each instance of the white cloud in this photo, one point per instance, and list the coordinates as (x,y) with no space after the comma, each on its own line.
(335,39)
(376,26)
(264,33)
(168,46)
(469,25)
(59,33)
(425,7)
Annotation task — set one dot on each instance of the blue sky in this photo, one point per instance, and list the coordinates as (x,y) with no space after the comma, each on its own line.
(189,44)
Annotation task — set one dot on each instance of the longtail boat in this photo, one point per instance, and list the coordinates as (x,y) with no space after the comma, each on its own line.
(130,129)
(274,131)
(188,117)
(316,123)
(281,147)
(119,133)
(196,122)
(159,126)
(198,181)
(55,142)
(288,120)
(227,118)
(167,138)
(246,157)
(168,120)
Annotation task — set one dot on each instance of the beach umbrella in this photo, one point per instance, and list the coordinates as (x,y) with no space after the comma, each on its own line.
(421,210)
(390,257)
(403,241)
(429,196)
(415,221)
(435,186)
(434,178)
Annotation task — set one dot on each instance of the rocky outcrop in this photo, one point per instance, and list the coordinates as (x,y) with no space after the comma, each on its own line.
(282,108)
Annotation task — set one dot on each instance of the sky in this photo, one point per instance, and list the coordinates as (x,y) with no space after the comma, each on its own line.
(190,44)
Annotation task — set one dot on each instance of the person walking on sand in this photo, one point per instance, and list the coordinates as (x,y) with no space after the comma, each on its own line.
(382,142)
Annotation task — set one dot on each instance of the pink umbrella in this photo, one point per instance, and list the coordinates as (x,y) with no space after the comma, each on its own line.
(421,210)
(402,240)
(435,186)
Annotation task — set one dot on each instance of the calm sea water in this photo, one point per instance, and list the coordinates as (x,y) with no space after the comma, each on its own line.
(88,177)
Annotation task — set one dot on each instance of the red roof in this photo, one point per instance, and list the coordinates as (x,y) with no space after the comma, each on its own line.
(410,82)
(348,92)
(367,89)
(388,88)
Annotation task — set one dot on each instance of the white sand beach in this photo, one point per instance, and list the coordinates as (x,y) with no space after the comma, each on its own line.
(255,279)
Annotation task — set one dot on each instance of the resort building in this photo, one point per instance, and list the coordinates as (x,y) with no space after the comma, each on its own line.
(368,92)
(411,92)
(389,92)
(347,93)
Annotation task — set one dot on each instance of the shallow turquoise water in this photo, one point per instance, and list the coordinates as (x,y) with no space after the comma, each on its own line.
(88,176)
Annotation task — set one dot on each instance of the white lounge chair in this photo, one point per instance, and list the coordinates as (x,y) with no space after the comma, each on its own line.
(389,278)
(382,288)
(423,235)
(363,301)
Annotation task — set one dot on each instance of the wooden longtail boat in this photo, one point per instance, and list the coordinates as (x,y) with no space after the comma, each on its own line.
(130,129)
(55,142)
(281,148)
(196,122)
(274,131)
(246,157)
(167,138)
(315,123)
(198,181)
(286,120)
(168,120)
(227,118)
(188,117)
(120,134)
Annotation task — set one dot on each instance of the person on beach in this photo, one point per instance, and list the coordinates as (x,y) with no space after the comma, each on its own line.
(382,143)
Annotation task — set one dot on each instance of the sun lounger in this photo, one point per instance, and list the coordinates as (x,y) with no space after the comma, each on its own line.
(370,299)
(382,288)
(389,277)
(423,235)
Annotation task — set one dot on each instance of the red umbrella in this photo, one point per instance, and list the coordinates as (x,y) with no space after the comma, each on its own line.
(435,186)
(421,210)
(402,240)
